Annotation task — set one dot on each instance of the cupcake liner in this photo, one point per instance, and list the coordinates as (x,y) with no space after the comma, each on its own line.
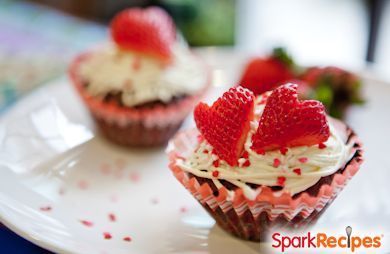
(128,126)
(159,115)
(251,219)
(136,134)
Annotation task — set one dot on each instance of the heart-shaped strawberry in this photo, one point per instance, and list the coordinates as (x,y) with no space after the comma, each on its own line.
(226,123)
(288,122)
(148,31)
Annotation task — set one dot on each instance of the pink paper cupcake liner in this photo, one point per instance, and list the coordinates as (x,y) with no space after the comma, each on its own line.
(149,126)
(252,219)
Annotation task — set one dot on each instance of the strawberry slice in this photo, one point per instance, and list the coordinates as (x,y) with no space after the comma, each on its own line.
(265,74)
(288,122)
(226,123)
(148,31)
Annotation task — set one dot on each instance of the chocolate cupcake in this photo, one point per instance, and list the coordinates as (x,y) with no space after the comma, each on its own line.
(140,87)
(256,163)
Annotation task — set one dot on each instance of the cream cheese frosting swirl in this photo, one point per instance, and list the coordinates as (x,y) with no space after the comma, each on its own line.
(311,161)
(141,78)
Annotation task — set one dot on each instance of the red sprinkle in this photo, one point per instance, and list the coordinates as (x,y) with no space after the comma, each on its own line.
(205,151)
(216,163)
(82,184)
(215,173)
(247,163)
(137,63)
(261,151)
(297,171)
(86,223)
(155,201)
(321,146)
(283,150)
(303,160)
(245,155)
(127,239)
(276,162)
(112,217)
(105,169)
(134,177)
(107,235)
(114,198)
(281,180)
(45,208)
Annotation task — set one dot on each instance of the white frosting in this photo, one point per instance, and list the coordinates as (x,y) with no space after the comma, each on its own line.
(141,78)
(320,163)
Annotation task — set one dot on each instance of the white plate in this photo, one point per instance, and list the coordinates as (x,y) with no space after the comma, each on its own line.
(57,178)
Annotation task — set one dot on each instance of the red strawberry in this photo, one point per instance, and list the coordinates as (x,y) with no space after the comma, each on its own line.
(148,31)
(288,122)
(334,87)
(226,123)
(265,74)
(336,76)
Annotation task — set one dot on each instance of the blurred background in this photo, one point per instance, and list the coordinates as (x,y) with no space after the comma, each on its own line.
(39,37)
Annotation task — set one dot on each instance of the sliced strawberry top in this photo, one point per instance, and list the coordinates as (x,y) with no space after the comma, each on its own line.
(225,125)
(265,74)
(148,31)
(288,122)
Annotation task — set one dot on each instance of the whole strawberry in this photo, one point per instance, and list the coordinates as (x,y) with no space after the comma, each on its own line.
(149,31)
(288,122)
(265,74)
(335,87)
(226,123)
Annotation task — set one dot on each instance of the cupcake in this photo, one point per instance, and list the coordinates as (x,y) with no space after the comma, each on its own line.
(259,162)
(140,86)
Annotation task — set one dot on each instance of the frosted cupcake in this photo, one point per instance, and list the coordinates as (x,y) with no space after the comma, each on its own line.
(141,86)
(265,161)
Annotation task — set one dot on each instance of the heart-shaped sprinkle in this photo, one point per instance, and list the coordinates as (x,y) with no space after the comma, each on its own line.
(297,171)
(281,181)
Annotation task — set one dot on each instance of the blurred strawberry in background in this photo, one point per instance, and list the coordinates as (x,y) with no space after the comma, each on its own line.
(334,87)
(265,74)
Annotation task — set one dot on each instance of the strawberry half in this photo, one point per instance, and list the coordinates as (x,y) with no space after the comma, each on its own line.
(148,31)
(265,74)
(226,123)
(288,122)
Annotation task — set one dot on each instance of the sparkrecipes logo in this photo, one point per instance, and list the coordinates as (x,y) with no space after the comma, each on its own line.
(327,241)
